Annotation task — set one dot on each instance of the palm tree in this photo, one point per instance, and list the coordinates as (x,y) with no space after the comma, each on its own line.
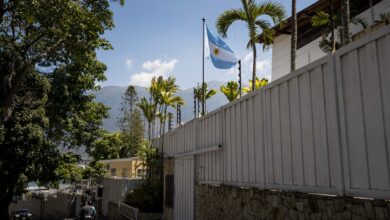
(252,14)
(148,109)
(328,23)
(207,94)
(345,19)
(257,85)
(197,94)
(294,35)
(231,90)
(168,99)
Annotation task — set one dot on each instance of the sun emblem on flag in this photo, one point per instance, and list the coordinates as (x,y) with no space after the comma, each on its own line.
(216,51)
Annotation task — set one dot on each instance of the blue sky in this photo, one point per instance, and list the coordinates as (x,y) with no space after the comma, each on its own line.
(164,37)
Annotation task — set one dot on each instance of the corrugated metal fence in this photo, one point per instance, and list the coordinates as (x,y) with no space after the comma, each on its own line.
(324,128)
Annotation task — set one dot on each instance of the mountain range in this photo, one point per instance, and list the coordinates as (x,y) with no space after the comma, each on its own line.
(111,96)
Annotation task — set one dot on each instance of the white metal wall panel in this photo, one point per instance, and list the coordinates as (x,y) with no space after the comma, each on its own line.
(324,128)
(210,164)
(184,189)
(363,73)
(302,151)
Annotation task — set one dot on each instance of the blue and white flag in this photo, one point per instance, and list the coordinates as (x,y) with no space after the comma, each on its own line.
(221,55)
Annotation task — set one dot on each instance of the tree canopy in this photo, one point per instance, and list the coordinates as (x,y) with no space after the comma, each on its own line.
(48,66)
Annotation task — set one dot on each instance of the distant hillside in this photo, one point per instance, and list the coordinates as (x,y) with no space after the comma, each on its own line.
(112,97)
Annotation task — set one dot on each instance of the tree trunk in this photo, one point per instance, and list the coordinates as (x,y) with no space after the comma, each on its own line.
(5,200)
(149,133)
(2,10)
(294,35)
(9,98)
(345,20)
(254,68)
(332,26)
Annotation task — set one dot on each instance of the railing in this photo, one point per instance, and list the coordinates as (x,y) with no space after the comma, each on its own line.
(324,128)
(127,211)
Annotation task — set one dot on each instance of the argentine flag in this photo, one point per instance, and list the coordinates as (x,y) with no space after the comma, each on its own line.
(221,55)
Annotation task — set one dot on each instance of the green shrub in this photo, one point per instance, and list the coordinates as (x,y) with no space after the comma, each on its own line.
(148,198)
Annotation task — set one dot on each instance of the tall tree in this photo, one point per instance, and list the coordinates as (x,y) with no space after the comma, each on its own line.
(131,123)
(231,90)
(294,34)
(25,153)
(133,138)
(43,35)
(253,15)
(208,93)
(107,147)
(48,64)
(345,20)
(148,109)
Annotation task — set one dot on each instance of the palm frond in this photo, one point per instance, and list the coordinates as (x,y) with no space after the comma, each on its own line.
(227,18)
(258,84)
(320,19)
(211,93)
(385,15)
(231,90)
(359,20)
(274,10)
(267,37)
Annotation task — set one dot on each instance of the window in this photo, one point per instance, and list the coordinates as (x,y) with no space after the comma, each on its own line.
(141,172)
(113,171)
(125,172)
(107,166)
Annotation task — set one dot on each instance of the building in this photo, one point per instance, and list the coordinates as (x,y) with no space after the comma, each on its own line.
(308,49)
(125,167)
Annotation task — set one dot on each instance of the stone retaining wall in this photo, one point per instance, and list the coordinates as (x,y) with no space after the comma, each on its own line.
(227,202)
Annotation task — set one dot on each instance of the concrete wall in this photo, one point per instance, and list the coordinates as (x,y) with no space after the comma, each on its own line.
(59,207)
(226,202)
(311,52)
(114,190)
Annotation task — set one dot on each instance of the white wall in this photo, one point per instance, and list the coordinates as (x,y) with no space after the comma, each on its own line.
(281,55)
(311,52)
(114,190)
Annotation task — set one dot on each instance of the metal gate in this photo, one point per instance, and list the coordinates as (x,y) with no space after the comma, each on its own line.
(184,201)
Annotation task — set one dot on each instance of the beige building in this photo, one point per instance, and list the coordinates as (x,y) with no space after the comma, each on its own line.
(125,168)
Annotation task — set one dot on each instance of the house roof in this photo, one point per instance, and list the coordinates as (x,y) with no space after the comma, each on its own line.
(304,17)
(120,160)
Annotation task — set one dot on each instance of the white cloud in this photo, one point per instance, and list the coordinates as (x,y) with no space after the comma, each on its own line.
(232,71)
(248,58)
(153,68)
(263,68)
(129,63)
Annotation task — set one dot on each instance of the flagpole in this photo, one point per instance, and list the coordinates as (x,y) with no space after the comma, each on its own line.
(203,92)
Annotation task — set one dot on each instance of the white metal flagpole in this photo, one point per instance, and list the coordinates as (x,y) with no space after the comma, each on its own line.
(203,89)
